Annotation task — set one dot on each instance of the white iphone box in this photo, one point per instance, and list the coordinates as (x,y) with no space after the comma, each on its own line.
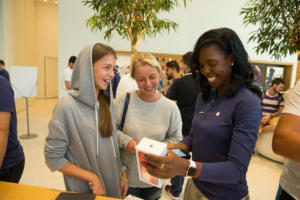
(147,146)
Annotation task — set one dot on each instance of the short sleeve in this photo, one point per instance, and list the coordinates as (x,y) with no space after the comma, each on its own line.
(6,96)
(292,101)
(68,75)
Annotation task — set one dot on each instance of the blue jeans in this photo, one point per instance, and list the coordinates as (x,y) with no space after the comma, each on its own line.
(150,193)
(176,185)
(283,195)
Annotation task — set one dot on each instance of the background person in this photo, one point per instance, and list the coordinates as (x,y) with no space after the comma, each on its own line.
(184,91)
(3,71)
(225,124)
(115,82)
(150,115)
(12,158)
(272,105)
(172,71)
(67,75)
(286,142)
(126,84)
(83,143)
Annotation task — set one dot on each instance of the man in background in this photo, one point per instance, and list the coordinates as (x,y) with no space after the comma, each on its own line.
(67,75)
(184,92)
(115,81)
(172,71)
(272,105)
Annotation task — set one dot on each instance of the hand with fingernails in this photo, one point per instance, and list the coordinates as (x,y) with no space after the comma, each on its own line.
(166,166)
(130,148)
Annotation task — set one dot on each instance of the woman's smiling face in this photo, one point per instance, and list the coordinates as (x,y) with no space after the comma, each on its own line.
(104,71)
(216,67)
(147,78)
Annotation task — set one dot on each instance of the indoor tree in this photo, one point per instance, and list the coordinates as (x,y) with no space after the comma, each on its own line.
(131,19)
(278,21)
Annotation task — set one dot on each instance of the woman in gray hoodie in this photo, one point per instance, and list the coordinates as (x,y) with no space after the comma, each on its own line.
(82,141)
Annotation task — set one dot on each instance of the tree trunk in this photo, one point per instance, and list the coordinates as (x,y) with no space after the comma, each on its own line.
(133,52)
(298,66)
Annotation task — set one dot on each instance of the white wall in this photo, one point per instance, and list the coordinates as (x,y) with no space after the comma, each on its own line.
(198,17)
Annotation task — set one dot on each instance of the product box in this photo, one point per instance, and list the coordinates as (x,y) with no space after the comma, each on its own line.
(147,146)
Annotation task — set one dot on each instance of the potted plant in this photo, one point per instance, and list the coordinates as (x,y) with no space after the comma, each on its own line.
(131,19)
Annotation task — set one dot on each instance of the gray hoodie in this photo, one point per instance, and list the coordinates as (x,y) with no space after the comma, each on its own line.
(73,133)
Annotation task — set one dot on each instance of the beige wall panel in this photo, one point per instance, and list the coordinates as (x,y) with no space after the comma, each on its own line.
(46,29)
(51,77)
(19,32)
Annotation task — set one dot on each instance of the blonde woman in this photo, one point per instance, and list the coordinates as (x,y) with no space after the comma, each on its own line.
(150,115)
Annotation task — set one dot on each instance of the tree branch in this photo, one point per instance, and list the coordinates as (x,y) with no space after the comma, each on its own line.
(141,34)
(282,9)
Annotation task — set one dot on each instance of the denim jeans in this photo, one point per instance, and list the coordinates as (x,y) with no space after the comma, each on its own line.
(283,195)
(176,185)
(150,193)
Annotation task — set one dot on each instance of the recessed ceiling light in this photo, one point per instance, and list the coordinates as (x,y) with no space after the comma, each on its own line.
(55,2)
(45,1)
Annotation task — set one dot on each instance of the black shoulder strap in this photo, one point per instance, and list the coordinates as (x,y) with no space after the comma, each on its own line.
(125,110)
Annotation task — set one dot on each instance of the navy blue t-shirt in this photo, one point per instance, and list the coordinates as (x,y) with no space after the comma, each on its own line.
(14,151)
(4,73)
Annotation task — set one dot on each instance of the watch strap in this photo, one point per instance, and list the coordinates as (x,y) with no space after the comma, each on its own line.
(192,169)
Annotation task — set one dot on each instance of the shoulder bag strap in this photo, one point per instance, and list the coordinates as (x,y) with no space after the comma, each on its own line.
(125,110)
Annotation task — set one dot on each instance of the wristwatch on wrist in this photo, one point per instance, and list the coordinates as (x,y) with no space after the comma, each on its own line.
(192,169)
(123,168)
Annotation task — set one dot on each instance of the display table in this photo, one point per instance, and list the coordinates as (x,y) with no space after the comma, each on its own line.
(12,191)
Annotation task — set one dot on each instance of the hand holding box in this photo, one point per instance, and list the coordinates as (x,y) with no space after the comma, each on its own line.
(149,146)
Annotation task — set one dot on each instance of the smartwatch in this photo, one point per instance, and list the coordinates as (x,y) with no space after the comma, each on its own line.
(192,169)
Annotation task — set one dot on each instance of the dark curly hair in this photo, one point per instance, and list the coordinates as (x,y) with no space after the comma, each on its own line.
(229,42)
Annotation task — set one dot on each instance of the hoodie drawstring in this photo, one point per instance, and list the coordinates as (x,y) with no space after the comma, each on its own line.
(112,143)
(97,127)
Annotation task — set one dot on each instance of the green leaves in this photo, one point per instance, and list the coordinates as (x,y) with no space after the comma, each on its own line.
(279,25)
(131,18)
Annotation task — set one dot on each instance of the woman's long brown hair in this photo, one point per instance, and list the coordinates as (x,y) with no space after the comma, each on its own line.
(105,121)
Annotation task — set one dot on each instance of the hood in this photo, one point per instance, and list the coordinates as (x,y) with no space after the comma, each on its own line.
(84,89)
(82,80)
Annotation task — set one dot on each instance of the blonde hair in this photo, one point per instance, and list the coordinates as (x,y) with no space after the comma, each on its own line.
(145,59)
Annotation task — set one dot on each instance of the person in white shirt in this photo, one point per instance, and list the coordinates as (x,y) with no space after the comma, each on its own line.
(67,75)
(286,142)
(126,84)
